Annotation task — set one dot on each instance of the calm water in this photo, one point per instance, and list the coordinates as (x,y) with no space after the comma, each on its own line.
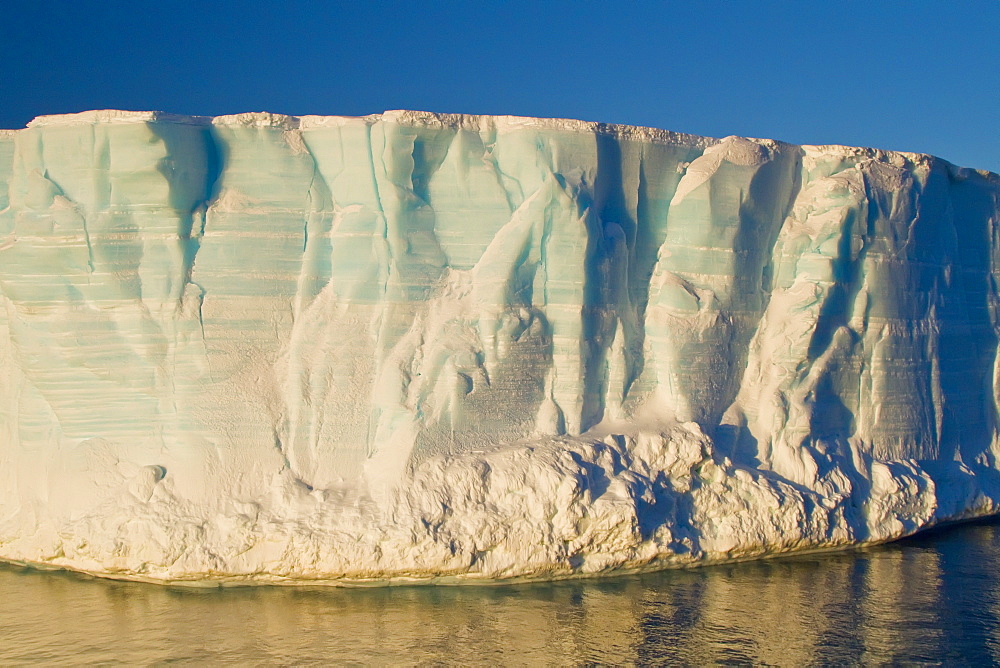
(931,599)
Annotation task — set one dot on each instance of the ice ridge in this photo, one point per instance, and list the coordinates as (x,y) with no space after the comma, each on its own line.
(427,347)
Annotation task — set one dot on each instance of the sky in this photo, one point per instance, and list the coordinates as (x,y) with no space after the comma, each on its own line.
(916,75)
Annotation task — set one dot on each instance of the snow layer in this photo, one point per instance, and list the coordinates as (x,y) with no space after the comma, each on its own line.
(430,347)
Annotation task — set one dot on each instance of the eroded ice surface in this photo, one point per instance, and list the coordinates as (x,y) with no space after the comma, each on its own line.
(415,346)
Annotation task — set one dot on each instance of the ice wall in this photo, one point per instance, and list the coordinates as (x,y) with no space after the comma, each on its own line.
(420,346)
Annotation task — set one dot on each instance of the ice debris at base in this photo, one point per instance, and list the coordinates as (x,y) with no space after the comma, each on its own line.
(414,346)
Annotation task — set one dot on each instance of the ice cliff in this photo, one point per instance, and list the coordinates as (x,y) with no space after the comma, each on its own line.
(413,346)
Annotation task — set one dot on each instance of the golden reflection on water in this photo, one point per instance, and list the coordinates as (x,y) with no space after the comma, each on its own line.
(897,582)
(935,599)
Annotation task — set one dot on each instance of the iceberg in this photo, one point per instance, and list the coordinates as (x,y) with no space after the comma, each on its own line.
(416,347)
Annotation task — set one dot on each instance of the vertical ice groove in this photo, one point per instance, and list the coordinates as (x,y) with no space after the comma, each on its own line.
(661,168)
(192,167)
(409,361)
(489,140)
(327,362)
(707,294)
(494,277)
(608,222)
(314,224)
(787,385)
(964,310)
(634,341)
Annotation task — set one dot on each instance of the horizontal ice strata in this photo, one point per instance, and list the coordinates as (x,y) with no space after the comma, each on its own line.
(413,346)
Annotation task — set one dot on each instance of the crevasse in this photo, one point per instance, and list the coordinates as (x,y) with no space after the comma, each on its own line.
(427,347)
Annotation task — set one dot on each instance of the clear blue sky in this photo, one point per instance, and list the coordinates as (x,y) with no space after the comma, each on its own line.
(918,75)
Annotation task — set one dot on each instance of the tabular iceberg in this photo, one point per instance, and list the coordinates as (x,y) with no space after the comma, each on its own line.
(412,346)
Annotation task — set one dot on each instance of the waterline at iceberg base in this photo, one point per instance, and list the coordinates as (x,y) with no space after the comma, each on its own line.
(422,347)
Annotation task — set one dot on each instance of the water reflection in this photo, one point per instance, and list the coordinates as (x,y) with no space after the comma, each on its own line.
(932,599)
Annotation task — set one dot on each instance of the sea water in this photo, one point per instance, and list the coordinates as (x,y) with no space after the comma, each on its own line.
(934,598)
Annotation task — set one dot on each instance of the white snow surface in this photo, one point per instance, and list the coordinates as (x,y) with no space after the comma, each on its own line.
(443,348)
